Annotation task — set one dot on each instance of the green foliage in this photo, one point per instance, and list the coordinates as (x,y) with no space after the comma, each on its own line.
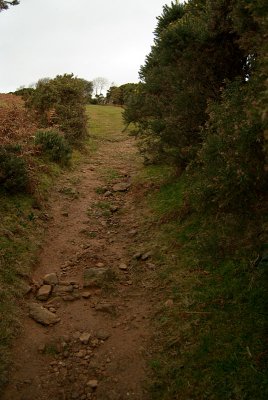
(54,145)
(4,5)
(13,170)
(60,102)
(120,95)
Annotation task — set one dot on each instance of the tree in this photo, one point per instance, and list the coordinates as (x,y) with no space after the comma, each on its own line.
(4,5)
(99,85)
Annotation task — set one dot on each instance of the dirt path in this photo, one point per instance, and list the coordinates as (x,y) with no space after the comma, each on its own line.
(98,349)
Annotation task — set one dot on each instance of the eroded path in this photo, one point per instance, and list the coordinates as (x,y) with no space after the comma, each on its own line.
(98,348)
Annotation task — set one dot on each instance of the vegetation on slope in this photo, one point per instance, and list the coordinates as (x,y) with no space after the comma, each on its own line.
(201,107)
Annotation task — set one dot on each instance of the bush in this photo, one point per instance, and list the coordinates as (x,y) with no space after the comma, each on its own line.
(54,145)
(64,98)
(13,170)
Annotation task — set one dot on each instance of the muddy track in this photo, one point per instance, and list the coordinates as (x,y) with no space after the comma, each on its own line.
(98,348)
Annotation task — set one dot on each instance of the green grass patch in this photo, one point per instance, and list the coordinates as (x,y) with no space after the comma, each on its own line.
(211,343)
(105,123)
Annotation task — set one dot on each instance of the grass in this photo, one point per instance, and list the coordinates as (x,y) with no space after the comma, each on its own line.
(211,343)
(105,123)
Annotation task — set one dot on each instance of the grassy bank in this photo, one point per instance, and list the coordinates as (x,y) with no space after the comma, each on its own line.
(210,320)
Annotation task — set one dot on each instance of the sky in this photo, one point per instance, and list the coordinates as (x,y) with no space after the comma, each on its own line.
(89,38)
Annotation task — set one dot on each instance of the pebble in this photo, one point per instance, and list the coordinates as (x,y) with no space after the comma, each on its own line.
(84,338)
(86,295)
(123,267)
(93,383)
(169,303)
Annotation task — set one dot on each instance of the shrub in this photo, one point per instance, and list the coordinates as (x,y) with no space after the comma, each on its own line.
(13,170)
(54,145)
(64,98)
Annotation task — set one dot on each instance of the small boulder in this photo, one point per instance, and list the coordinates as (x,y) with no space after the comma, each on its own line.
(93,383)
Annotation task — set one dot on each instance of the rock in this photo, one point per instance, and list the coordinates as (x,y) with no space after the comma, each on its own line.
(69,297)
(93,277)
(86,295)
(147,255)
(93,383)
(102,334)
(100,265)
(121,187)
(62,289)
(51,279)
(113,208)
(169,303)
(55,302)
(108,193)
(123,267)
(106,308)
(137,256)
(84,338)
(42,315)
(44,292)
(65,214)
(133,232)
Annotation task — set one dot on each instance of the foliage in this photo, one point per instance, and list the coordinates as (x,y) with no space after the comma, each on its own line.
(54,145)
(120,95)
(195,50)
(60,102)
(16,123)
(4,5)
(13,170)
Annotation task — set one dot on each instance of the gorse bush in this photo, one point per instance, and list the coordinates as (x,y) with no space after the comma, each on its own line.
(54,145)
(228,173)
(60,102)
(13,170)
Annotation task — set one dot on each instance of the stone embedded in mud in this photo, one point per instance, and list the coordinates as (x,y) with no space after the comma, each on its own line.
(42,315)
(121,187)
(44,292)
(94,277)
(86,295)
(106,308)
(63,289)
(51,279)
(102,334)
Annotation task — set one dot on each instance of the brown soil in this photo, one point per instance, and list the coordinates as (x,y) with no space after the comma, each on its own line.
(52,362)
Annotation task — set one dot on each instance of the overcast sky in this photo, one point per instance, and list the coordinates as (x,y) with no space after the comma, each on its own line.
(90,38)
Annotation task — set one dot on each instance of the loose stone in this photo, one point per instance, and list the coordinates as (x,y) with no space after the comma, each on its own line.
(42,315)
(51,279)
(44,292)
(84,338)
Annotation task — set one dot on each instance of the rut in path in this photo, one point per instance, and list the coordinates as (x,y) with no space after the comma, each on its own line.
(97,350)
